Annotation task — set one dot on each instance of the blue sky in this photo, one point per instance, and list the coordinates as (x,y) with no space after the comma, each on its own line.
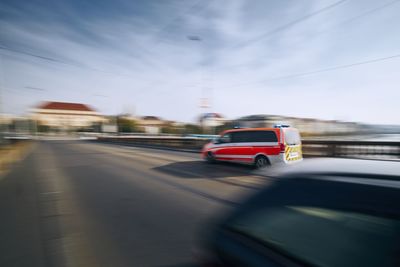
(249,57)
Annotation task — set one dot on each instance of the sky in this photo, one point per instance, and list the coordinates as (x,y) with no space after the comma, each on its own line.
(326,59)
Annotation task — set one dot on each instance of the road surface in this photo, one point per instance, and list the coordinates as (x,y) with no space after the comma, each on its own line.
(77,203)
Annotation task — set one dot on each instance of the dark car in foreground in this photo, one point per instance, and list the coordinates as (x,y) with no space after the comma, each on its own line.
(330,212)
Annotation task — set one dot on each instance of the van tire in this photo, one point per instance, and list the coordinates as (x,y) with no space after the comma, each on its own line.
(210,157)
(261,162)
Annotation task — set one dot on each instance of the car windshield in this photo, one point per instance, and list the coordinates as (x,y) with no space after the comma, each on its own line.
(322,234)
(325,222)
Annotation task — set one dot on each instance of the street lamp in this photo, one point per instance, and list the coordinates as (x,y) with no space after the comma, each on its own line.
(194,38)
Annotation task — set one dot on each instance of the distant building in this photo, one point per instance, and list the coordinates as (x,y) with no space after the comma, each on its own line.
(211,119)
(151,124)
(261,121)
(305,125)
(7,122)
(6,119)
(66,116)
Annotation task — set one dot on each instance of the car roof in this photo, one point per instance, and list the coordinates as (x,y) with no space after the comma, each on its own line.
(349,169)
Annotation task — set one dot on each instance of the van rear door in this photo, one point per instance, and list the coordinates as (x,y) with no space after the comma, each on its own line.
(292,141)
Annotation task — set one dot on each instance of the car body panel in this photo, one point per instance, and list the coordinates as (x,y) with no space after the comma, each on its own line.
(358,199)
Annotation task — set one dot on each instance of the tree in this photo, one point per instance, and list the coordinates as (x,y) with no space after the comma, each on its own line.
(43,128)
(126,126)
(169,129)
(192,129)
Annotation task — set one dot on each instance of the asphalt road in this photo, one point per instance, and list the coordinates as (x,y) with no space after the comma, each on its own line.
(76,203)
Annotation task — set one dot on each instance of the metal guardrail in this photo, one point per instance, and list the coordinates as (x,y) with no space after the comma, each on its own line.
(352,149)
(179,143)
(311,148)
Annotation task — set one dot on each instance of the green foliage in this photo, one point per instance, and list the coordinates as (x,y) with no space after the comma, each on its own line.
(169,129)
(126,126)
(192,129)
(43,128)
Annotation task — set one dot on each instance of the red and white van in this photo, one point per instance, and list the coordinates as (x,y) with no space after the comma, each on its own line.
(258,146)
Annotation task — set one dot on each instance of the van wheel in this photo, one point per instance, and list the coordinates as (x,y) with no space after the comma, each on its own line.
(261,162)
(210,158)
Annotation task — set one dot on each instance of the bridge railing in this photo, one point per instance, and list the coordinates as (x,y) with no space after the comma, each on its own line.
(311,148)
(352,149)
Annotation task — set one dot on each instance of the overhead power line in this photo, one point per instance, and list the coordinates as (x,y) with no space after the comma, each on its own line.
(34,88)
(334,68)
(290,24)
(361,15)
(54,60)
(32,55)
(371,11)
(342,23)
(58,61)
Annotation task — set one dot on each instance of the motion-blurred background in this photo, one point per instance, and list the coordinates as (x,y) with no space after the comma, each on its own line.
(106,105)
(198,67)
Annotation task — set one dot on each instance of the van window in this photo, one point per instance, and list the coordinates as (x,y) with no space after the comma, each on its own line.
(292,137)
(240,137)
(264,136)
(254,136)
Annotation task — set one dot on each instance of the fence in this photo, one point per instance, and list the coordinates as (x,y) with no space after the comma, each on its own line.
(311,148)
(352,149)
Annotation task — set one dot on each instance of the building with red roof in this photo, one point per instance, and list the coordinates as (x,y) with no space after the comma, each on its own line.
(64,106)
(66,116)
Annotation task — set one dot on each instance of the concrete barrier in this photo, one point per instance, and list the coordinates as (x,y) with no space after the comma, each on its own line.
(176,143)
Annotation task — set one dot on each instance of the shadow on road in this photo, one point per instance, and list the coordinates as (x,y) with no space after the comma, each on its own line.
(199,169)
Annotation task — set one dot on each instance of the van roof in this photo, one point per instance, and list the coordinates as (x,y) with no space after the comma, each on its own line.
(276,130)
(252,129)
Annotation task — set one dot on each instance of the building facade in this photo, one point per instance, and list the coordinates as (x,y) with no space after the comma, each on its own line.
(66,116)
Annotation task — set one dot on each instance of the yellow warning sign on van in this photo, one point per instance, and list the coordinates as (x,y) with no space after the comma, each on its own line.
(293,153)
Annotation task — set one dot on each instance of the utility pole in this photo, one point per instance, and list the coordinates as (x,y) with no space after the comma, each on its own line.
(2,121)
(204,99)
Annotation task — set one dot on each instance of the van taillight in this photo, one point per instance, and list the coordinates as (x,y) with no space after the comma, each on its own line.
(282,146)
